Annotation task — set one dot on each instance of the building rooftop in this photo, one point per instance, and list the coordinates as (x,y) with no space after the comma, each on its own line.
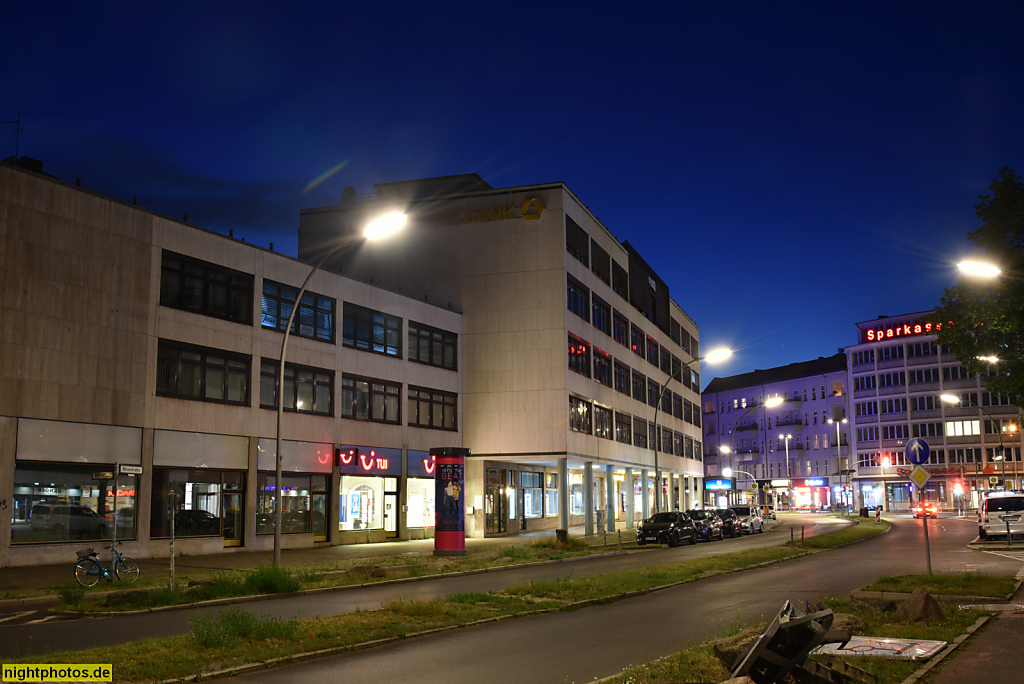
(793,371)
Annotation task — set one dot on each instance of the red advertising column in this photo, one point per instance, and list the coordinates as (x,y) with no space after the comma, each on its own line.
(450,501)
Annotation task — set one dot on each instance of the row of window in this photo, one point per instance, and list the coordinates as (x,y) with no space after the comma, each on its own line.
(957,456)
(913,349)
(913,377)
(593,419)
(951,428)
(593,309)
(611,372)
(197,373)
(739,403)
(212,290)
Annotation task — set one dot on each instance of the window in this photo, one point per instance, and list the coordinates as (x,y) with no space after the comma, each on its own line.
(862,357)
(303,507)
(866,408)
(639,386)
(371,330)
(956,373)
(864,382)
(890,353)
(926,403)
(601,262)
(189,372)
(677,406)
(433,346)
(921,349)
(603,419)
(653,393)
(869,434)
(637,340)
(666,362)
(639,432)
(205,288)
(370,399)
(577,296)
(620,329)
(964,456)
(602,315)
(963,428)
(622,374)
(653,351)
(927,429)
(579,414)
(895,432)
(306,390)
(893,405)
(433,408)
(602,367)
(922,375)
(200,502)
(315,317)
(577,242)
(891,379)
(579,356)
(995,399)
(620,280)
(550,494)
(532,499)
(623,428)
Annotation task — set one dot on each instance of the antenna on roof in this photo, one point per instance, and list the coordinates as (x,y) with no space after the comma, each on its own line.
(17,133)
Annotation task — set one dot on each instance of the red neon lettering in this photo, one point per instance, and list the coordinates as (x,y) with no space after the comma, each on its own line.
(382,463)
(348,459)
(322,457)
(430,465)
(906,329)
(889,333)
(917,329)
(366,464)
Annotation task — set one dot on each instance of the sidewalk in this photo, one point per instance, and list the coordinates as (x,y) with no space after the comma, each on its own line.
(991,655)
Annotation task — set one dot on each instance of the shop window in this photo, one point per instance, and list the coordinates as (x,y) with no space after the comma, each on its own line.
(304,503)
(62,502)
(205,288)
(314,319)
(198,503)
(420,501)
(433,346)
(361,503)
(190,372)
(371,330)
(306,390)
(532,497)
(576,495)
(433,408)
(370,399)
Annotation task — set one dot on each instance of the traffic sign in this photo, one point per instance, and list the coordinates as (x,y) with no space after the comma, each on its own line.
(917,451)
(103,475)
(919,476)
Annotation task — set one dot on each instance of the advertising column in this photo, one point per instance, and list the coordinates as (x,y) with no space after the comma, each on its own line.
(449,495)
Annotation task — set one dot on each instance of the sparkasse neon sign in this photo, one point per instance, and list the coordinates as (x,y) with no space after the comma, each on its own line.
(900,330)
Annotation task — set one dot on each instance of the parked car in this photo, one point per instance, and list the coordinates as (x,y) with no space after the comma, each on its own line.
(669,527)
(768,512)
(731,525)
(67,521)
(992,511)
(706,523)
(195,522)
(750,518)
(926,510)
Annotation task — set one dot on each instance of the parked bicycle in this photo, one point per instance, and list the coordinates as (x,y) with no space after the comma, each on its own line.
(89,569)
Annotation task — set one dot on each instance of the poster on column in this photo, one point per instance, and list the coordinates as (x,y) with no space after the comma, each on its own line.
(450,501)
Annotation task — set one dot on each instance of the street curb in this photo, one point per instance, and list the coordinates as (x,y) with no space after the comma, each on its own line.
(921,672)
(949,598)
(306,592)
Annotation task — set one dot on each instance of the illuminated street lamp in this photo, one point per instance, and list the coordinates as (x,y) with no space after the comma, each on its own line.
(379,228)
(844,473)
(714,356)
(978,269)
(789,477)
(771,402)
(1000,453)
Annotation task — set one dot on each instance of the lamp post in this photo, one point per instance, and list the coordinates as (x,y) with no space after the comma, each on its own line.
(383,226)
(1000,453)
(728,472)
(714,356)
(771,402)
(844,473)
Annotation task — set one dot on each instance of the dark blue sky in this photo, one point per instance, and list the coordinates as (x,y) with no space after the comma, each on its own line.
(790,169)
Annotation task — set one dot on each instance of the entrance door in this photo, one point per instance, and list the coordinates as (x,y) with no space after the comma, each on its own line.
(233,519)
(390,515)
(494,503)
(521,500)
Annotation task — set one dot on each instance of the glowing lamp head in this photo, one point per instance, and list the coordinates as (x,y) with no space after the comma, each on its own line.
(772,402)
(718,355)
(384,226)
(978,268)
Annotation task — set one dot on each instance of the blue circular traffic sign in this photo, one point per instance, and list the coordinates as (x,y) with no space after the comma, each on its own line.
(917,451)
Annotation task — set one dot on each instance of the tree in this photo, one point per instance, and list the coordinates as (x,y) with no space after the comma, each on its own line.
(987,315)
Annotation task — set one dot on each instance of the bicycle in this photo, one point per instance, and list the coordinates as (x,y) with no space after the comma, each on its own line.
(89,569)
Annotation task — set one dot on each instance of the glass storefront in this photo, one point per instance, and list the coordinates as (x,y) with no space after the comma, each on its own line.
(204,503)
(361,503)
(368,499)
(304,503)
(63,502)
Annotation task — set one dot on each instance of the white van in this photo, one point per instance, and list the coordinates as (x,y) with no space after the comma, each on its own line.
(992,511)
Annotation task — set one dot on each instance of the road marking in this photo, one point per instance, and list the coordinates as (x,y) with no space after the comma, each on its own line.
(1015,555)
(45,619)
(16,616)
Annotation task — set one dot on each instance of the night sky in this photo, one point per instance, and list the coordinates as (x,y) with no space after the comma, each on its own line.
(789,169)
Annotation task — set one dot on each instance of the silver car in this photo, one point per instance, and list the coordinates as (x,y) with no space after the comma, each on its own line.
(750,518)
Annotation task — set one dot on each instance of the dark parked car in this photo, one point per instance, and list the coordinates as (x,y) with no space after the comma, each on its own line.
(707,523)
(195,522)
(750,518)
(732,526)
(670,527)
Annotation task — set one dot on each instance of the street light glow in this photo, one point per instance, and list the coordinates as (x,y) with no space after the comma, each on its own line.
(950,398)
(978,269)
(384,226)
(718,355)
(772,402)
(725,449)
(990,359)
(727,473)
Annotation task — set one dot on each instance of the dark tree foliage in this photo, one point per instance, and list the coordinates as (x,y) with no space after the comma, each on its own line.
(988,314)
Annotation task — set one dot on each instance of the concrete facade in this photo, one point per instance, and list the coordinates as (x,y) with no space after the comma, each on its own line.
(83,332)
(897,375)
(526,267)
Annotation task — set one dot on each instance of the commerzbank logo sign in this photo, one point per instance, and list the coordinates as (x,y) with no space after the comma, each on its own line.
(530,210)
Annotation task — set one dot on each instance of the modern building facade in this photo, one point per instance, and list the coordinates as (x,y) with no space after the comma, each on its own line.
(577,362)
(138,387)
(783,431)
(898,373)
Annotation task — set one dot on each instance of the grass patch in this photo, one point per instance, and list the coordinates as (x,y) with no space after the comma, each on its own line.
(960,584)
(847,535)
(699,664)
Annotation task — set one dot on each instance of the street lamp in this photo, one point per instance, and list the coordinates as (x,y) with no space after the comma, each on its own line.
(728,472)
(839,455)
(771,402)
(978,269)
(381,227)
(1000,453)
(789,477)
(714,356)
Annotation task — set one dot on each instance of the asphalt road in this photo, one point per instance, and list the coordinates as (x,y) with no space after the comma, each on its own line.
(598,642)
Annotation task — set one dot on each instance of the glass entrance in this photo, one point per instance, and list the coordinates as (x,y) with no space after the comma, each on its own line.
(494,503)
(234,519)
(390,507)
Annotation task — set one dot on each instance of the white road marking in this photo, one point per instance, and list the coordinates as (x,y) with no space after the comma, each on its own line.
(45,619)
(17,615)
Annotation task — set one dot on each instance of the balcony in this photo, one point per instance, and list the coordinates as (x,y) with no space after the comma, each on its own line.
(747,427)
